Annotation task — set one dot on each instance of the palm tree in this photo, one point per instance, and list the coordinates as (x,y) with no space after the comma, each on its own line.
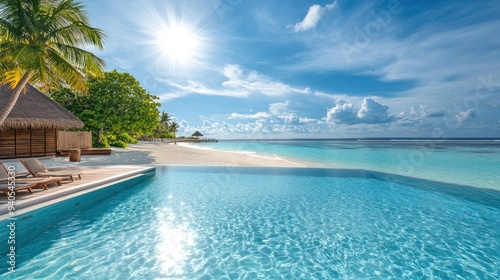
(41,43)
(166,125)
(165,119)
(169,125)
(173,128)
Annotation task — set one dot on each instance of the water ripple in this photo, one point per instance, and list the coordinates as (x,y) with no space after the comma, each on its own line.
(215,225)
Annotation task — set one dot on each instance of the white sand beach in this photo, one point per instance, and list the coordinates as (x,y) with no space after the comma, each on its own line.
(189,154)
(161,153)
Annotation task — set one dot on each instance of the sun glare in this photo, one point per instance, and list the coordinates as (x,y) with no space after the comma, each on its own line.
(176,41)
(179,44)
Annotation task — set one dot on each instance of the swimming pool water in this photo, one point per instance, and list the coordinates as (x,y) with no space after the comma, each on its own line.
(465,162)
(250,223)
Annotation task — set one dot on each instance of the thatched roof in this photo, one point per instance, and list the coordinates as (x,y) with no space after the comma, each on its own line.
(197,134)
(34,109)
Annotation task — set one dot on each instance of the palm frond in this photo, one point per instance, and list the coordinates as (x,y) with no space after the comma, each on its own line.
(69,25)
(66,71)
(81,58)
(45,38)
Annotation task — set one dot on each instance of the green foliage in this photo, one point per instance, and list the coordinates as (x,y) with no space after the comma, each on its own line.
(126,138)
(110,140)
(119,144)
(103,144)
(119,104)
(44,39)
(120,140)
(116,106)
(167,128)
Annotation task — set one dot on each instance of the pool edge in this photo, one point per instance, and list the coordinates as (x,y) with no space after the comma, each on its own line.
(52,198)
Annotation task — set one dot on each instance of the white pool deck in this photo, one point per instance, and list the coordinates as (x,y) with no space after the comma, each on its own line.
(93,178)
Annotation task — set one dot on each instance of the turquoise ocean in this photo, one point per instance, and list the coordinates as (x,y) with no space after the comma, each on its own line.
(468,162)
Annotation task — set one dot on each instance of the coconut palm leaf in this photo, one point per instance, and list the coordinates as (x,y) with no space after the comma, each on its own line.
(42,43)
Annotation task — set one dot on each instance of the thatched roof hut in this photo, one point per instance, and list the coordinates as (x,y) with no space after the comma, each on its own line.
(36,110)
(31,128)
(197,134)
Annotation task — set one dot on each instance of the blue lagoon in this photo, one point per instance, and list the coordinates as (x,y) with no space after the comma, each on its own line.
(474,163)
(267,223)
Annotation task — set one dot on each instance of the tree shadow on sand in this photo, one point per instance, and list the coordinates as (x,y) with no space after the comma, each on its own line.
(119,158)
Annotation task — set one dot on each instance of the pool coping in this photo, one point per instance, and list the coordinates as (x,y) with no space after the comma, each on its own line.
(30,204)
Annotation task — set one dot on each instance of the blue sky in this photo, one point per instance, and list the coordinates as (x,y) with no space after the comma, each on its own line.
(306,69)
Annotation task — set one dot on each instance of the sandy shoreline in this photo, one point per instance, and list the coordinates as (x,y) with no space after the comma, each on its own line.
(165,153)
(160,153)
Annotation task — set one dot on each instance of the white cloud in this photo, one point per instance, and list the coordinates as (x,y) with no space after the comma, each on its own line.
(279,119)
(387,54)
(292,119)
(311,20)
(279,108)
(371,112)
(253,82)
(465,116)
(233,72)
(249,116)
(325,95)
(341,121)
(424,112)
(225,129)
(313,17)
(192,87)
(342,113)
(279,113)
(185,128)
(307,120)
(239,83)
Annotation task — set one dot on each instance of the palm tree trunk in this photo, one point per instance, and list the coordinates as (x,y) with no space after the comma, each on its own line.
(13,98)
(99,135)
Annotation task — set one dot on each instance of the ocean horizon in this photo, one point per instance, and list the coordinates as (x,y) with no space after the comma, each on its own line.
(473,162)
(369,139)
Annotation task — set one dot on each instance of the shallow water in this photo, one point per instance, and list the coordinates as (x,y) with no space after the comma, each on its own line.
(249,223)
(471,163)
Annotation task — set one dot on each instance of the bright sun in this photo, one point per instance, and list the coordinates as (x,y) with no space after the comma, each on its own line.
(174,40)
(179,44)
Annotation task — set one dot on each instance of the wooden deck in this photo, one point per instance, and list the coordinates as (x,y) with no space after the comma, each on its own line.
(87,152)
(93,178)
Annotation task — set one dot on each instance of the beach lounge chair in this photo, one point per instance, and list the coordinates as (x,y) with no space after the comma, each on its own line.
(37,169)
(43,182)
(5,187)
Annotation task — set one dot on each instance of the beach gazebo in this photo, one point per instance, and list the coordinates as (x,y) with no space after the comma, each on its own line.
(197,134)
(31,128)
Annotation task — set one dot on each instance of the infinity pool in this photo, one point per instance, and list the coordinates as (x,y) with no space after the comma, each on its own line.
(267,223)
